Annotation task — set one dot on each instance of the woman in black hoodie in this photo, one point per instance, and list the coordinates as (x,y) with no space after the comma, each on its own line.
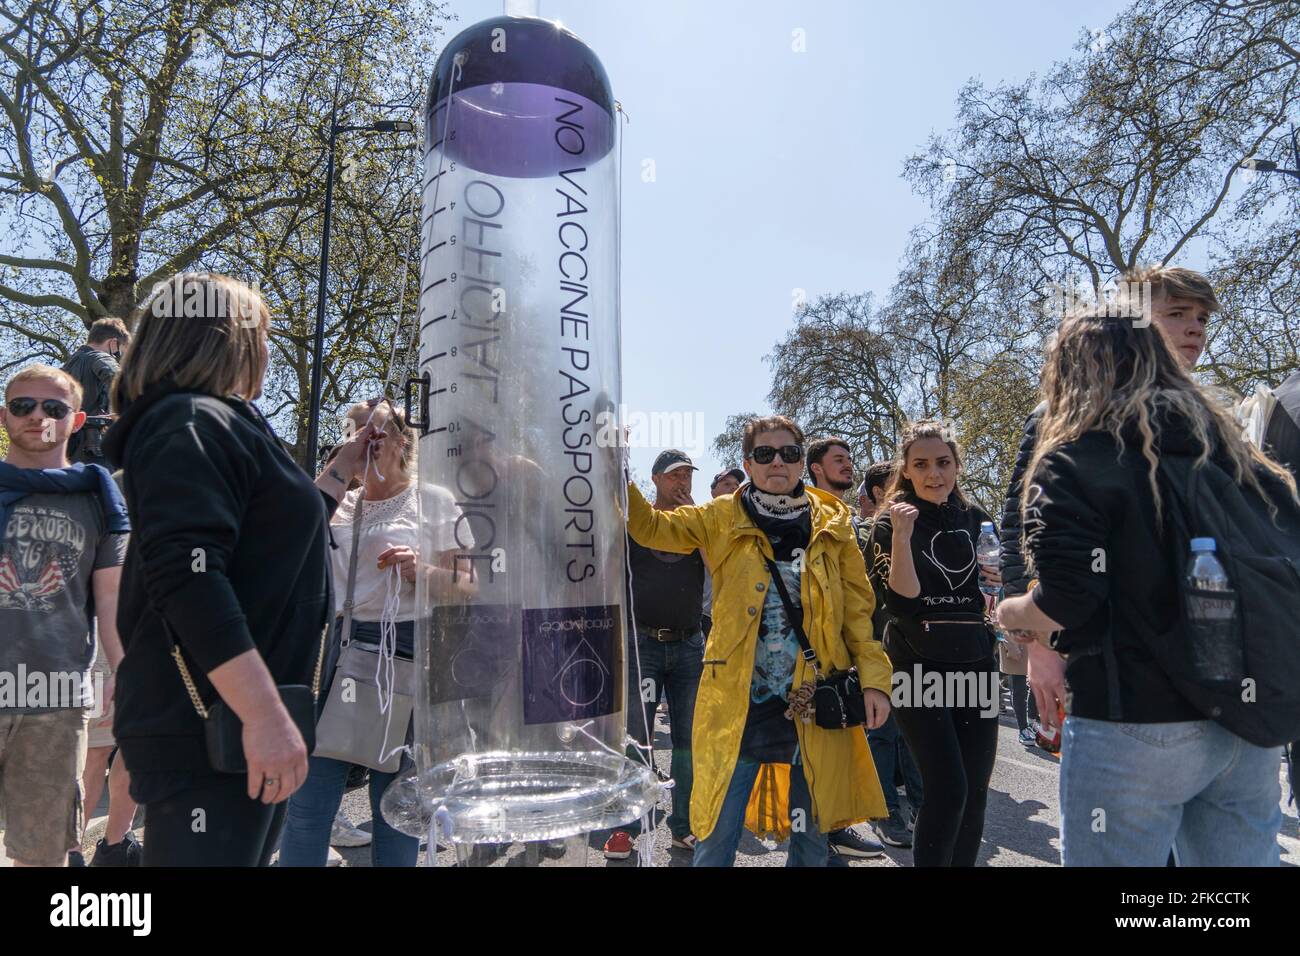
(227,565)
(945,680)
(1144,768)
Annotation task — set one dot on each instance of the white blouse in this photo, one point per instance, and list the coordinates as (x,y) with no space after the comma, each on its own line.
(387,523)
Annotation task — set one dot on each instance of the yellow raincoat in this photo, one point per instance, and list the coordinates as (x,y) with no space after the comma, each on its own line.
(838,603)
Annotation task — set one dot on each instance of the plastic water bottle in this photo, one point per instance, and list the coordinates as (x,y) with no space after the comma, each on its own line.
(988,553)
(1211,612)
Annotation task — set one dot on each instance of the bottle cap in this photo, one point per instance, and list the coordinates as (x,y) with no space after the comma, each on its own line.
(986,526)
(1202,544)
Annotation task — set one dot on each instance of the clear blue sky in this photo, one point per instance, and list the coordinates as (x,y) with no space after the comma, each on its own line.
(775,169)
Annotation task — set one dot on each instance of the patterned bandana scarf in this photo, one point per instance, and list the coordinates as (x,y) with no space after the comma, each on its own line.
(785,519)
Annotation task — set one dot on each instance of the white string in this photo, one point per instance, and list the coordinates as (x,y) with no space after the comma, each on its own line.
(401,311)
(645,852)
(440,822)
(457,63)
(646,845)
(384,666)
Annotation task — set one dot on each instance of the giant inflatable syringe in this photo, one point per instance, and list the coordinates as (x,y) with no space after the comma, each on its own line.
(519,711)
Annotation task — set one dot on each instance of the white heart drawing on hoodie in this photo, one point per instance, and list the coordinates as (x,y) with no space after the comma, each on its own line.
(963,572)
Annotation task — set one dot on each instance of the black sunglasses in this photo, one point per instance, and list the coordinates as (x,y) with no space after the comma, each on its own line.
(22,407)
(764,454)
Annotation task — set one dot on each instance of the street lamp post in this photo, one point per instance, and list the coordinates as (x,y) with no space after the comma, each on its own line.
(318,339)
(1268,166)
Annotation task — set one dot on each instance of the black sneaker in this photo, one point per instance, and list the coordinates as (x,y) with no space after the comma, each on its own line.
(833,858)
(126,853)
(850,843)
(893,830)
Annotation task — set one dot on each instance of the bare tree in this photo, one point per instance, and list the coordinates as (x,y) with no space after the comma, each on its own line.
(837,372)
(727,446)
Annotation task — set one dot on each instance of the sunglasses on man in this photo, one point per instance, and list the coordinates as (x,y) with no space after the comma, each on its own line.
(764,454)
(52,407)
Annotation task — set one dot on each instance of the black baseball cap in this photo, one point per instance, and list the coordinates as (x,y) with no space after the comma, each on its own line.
(737,473)
(671,460)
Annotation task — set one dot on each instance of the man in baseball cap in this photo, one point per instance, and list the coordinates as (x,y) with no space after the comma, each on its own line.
(671,460)
(727,481)
(668,596)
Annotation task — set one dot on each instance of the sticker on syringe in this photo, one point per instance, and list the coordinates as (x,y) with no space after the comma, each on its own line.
(572,663)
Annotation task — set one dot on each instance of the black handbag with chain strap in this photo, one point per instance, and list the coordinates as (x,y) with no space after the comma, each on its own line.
(837,702)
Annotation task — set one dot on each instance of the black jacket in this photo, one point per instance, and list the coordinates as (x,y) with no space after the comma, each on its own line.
(943,552)
(94,371)
(862,534)
(1014,579)
(1100,564)
(228,545)
(1282,436)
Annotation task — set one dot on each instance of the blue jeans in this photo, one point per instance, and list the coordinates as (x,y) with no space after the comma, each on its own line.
(673,668)
(808,845)
(890,753)
(1129,792)
(311,815)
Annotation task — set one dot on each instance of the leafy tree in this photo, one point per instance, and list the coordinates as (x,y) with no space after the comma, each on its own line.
(140,138)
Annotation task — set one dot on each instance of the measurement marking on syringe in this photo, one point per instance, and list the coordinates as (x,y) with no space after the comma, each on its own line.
(435,319)
(437,247)
(436,430)
(434,213)
(433,285)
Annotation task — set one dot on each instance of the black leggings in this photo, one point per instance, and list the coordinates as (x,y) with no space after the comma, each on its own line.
(1022,700)
(212,823)
(954,748)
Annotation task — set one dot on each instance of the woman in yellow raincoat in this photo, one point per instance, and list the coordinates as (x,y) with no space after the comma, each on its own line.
(752,659)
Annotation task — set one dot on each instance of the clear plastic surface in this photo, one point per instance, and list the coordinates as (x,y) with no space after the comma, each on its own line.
(519,715)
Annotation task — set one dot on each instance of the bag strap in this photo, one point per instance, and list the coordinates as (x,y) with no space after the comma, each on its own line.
(350,596)
(795,616)
(193,690)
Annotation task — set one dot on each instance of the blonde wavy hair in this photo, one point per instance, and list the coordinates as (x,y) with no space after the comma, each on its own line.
(201,330)
(395,424)
(900,486)
(1109,374)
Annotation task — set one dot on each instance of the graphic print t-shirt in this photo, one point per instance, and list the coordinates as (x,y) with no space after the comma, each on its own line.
(52,546)
(769,736)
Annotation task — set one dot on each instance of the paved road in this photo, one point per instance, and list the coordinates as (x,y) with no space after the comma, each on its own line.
(1020,826)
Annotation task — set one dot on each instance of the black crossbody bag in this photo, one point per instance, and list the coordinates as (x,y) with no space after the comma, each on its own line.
(836,700)
(223,731)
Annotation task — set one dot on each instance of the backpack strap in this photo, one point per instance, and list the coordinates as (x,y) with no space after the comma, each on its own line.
(1282,436)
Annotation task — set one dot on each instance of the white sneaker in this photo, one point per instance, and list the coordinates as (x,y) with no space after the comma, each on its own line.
(334,858)
(343,833)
